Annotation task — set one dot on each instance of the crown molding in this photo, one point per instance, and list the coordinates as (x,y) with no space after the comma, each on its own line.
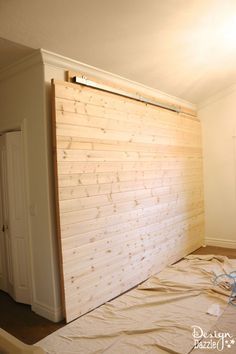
(217,96)
(59,61)
(21,65)
(42,56)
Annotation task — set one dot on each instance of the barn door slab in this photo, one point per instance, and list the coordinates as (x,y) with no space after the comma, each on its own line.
(129,192)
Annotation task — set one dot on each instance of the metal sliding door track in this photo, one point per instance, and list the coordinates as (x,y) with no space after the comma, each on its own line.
(136,97)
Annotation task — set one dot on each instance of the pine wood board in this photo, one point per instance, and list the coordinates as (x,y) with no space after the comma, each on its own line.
(129,192)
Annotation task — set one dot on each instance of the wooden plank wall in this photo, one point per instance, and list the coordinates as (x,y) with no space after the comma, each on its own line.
(129,189)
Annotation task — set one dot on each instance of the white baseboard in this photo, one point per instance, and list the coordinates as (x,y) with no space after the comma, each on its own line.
(52,314)
(220,242)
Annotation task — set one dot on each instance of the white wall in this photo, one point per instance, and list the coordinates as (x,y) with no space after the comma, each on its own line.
(218,116)
(22,102)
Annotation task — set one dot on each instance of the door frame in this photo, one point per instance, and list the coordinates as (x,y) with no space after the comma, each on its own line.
(24,130)
(2,238)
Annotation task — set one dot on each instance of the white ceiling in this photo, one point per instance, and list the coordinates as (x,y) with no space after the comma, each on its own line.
(186,48)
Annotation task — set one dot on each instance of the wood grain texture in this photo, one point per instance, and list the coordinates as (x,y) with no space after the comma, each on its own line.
(121,85)
(129,192)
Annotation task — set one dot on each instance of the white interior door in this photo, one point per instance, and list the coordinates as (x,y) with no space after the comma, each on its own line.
(14,229)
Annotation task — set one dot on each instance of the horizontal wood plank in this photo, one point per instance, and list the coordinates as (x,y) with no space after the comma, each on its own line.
(129,192)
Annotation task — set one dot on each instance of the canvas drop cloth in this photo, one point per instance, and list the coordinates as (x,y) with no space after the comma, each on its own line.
(156,317)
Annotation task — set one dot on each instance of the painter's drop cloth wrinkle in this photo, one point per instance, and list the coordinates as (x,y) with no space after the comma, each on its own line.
(155,317)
